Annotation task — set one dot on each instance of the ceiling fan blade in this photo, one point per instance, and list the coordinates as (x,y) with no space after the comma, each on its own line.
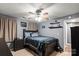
(31,13)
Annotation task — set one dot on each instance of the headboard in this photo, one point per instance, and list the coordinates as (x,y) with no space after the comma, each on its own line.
(28,31)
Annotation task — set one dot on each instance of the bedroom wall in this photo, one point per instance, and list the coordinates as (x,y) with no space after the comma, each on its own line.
(57,33)
(19,28)
(30,26)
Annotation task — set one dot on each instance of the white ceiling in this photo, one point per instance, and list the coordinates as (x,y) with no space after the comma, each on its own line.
(54,9)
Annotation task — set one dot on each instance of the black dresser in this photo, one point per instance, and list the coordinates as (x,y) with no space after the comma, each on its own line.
(4,50)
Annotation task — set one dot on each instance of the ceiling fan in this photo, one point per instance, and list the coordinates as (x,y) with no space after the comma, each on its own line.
(37,12)
(38,8)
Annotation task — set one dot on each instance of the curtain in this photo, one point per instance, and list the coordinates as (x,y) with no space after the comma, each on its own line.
(8,28)
(1,27)
(14,29)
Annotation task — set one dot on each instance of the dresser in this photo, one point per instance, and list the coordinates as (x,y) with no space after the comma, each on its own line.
(4,50)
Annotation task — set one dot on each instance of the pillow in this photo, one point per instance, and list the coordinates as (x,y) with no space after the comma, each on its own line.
(27,34)
(34,34)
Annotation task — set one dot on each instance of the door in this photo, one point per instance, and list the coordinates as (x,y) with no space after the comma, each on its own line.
(75,40)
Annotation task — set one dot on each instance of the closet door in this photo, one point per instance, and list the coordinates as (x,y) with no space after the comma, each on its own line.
(75,41)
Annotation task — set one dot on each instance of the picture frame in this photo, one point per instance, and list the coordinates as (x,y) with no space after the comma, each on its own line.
(43,26)
(23,24)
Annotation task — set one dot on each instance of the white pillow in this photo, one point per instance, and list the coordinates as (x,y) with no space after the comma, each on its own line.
(27,34)
(35,34)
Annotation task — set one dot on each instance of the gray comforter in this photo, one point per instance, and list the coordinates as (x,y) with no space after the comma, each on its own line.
(40,41)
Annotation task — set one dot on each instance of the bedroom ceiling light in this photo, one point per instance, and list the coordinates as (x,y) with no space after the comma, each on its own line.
(69,17)
(38,19)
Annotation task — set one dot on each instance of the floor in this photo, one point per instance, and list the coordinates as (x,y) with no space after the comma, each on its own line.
(25,52)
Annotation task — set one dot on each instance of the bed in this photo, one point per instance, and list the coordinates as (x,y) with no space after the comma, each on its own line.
(43,45)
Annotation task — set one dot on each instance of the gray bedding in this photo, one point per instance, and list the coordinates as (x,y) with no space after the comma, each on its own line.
(44,39)
(39,41)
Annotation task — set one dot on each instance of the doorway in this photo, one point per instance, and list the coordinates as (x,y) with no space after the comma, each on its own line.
(67,31)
